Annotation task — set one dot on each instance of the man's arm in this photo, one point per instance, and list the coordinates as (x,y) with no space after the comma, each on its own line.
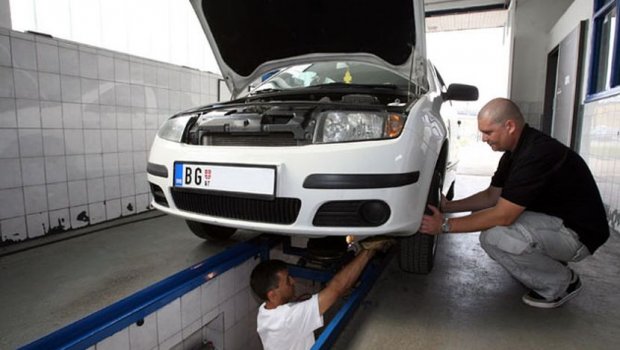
(481,200)
(504,213)
(343,280)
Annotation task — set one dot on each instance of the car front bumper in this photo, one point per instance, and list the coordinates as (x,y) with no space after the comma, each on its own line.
(359,188)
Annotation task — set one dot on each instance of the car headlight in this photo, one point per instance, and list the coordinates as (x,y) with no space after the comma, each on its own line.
(343,126)
(172,129)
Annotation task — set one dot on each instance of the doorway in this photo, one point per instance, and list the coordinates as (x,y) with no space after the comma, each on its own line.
(563,88)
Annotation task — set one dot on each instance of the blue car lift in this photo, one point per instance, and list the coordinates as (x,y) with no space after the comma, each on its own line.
(135,308)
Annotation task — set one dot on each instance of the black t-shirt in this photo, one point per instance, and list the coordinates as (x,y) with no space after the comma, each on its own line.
(545,176)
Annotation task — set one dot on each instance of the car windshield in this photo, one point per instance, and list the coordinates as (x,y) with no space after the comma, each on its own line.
(330,73)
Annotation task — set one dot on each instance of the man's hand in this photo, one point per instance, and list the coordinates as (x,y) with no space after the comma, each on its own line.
(378,243)
(431,224)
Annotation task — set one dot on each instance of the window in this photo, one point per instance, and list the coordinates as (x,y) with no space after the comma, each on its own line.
(332,72)
(605,60)
(164,30)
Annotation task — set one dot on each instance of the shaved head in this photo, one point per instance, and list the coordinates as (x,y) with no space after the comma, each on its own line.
(500,122)
(499,110)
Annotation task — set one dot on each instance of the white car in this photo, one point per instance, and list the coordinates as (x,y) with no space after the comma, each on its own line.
(346,138)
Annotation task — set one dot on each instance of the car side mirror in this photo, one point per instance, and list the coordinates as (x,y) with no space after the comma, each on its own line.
(461,92)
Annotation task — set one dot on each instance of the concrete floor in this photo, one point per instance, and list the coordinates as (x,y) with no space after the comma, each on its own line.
(467,302)
(45,288)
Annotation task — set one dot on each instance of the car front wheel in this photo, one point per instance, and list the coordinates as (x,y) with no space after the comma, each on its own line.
(417,252)
(211,233)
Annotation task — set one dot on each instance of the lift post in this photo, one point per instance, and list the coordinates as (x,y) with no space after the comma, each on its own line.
(370,275)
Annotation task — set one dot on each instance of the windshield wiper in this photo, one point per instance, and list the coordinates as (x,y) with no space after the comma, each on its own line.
(337,85)
(264,91)
(359,86)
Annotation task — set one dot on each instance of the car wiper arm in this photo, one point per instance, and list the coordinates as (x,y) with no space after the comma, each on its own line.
(264,91)
(328,86)
(367,86)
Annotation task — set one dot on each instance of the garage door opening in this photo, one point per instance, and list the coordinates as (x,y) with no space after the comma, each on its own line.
(472,48)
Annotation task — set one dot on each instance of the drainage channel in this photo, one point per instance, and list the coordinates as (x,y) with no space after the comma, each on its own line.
(207,306)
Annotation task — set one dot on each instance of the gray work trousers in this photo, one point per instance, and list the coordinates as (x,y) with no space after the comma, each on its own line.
(533,250)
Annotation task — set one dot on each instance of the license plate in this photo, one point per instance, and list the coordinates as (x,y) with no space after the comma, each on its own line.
(256,180)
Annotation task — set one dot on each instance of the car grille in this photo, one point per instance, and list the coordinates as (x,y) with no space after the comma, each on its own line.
(279,139)
(277,211)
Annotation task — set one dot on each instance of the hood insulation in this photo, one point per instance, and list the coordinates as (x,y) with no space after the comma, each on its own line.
(251,32)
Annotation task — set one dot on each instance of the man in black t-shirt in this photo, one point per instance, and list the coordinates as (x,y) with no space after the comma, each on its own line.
(541,211)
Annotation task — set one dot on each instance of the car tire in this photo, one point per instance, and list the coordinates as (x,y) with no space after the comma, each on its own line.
(211,233)
(417,252)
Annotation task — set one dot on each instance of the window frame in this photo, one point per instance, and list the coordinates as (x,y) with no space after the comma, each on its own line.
(601,9)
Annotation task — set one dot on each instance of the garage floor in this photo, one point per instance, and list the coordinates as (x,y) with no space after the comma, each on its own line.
(45,288)
(467,302)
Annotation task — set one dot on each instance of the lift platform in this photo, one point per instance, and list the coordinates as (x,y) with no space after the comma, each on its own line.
(210,305)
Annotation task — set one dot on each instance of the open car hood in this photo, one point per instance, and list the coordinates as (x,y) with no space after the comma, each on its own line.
(252,37)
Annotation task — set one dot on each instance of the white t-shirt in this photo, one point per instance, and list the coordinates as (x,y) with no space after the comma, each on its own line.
(289,326)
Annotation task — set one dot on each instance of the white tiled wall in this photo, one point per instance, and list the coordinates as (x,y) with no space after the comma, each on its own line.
(600,147)
(227,296)
(76,125)
(532,112)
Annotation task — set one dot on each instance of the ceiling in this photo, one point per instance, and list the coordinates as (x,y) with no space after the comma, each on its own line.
(447,7)
(465,21)
(449,15)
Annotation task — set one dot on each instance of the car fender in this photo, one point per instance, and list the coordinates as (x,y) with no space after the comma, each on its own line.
(425,122)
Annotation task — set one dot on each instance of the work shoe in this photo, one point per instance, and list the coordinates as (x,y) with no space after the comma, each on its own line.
(536,300)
